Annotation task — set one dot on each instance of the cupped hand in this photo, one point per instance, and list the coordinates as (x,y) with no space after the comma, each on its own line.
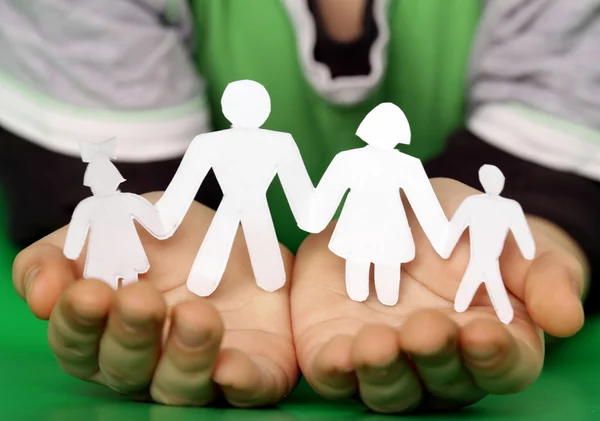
(154,339)
(420,353)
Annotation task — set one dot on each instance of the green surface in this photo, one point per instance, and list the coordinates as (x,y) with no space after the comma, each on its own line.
(32,387)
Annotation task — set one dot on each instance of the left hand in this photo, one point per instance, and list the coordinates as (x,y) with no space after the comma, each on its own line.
(421,353)
(154,339)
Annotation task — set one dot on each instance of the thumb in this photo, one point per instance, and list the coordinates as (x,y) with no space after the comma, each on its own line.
(41,273)
(553,291)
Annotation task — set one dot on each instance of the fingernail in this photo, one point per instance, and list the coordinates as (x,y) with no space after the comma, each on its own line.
(30,279)
(86,320)
(482,354)
(379,370)
(191,337)
(374,371)
(137,324)
(338,378)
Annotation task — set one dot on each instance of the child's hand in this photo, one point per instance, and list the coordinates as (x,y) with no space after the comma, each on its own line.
(154,339)
(421,353)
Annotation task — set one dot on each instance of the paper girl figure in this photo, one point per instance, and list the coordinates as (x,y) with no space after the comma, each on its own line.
(373,227)
(245,159)
(489,218)
(114,250)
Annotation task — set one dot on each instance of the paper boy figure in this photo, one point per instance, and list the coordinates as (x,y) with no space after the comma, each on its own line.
(489,218)
(373,227)
(245,159)
(114,249)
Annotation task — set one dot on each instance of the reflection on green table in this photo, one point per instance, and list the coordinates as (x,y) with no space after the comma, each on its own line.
(32,387)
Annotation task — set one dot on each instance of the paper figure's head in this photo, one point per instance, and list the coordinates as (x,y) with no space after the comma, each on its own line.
(89,150)
(102,177)
(492,179)
(385,127)
(246,104)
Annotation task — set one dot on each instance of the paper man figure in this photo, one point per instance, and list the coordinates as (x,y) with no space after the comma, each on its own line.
(373,227)
(245,159)
(489,218)
(114,249)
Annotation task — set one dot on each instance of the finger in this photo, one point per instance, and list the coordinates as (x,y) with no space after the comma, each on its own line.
(130,347)
(331,372)
(41,273)
(430,338)
(247,380)
(76,325)
(183,375)
(553,291)
(387,383)
(499,362)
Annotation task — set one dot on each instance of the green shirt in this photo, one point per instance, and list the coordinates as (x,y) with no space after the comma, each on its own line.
(424,74)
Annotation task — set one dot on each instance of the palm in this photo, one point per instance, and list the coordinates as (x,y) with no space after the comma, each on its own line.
(246,310)
(337,313)
(237,299)
(336,336)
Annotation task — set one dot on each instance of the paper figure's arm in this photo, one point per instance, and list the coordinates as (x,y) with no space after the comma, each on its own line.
(328,195)
(147,215)
(426,206)
(296,183)
(522,232)
(180,193)
(458,224)
(78,230)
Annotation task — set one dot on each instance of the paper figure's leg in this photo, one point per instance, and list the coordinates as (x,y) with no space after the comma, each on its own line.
(263,247)
(357,279)
(387,283)
(469,285)
(211,261)
(110,280)
(498,294)
(129,279)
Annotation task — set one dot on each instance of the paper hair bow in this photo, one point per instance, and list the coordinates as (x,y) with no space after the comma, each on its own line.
(92,150)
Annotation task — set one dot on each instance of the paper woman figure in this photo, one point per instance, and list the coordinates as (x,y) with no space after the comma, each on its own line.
(115,252)
(489,218)
(245,159)
(373,227)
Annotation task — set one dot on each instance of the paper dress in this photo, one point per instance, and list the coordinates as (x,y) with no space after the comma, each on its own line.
(489,218)
(245,160)
(114,252)
(373,227)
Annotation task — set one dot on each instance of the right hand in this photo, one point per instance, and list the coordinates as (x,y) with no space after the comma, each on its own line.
(156,340)
(421,353)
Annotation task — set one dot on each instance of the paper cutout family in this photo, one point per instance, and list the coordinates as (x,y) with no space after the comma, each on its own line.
(372,228)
